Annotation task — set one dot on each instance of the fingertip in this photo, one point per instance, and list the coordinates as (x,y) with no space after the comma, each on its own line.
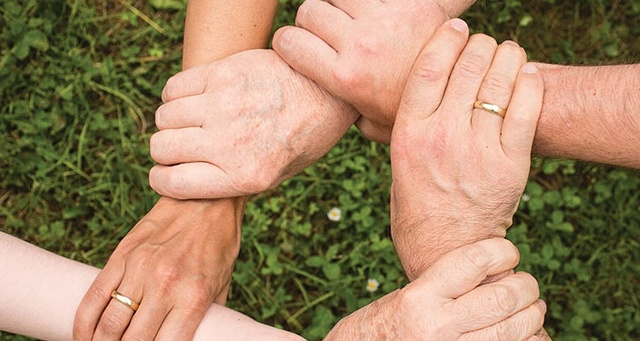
(529,69)
(282,38)
(459,25)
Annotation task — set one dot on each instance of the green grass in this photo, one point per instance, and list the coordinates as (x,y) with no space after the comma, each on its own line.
(80,81)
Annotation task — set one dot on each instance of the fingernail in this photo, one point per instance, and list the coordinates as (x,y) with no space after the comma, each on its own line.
(510,42)
(533,338)
(529,68)
(458,24)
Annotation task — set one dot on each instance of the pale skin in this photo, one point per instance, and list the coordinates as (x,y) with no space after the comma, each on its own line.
(40,296)
(149,264)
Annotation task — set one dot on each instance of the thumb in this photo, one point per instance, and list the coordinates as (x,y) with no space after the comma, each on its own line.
(430,74)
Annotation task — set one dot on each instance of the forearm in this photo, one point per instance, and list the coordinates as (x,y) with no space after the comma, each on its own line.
(215,29)
(591,113)
(373,322)
(42,290)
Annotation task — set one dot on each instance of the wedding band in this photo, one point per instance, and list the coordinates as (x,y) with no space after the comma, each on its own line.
(125,300)
(492,108)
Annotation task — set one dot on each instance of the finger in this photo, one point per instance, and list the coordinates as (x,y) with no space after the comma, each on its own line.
(462,269)
(181,113)
(541,335)
(117,315)
(195,180)
(428,79)
(467,76)
(325,22)
(519,326)
(186,83)
(496,88)
(519,126)
(181,324)
(491,303)
(307,54)
(174,146)
(148,320)
(96,300)
(115,319)
(355,8)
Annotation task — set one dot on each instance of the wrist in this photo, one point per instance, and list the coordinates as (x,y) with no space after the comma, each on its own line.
(376,321)
(421,242)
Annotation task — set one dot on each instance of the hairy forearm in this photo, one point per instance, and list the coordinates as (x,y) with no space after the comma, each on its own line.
(373,322)
(591,113)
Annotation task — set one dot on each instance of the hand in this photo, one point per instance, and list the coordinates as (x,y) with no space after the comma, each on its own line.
(240,126)
(459,172)
(447,302)
(175,262)
(362,51)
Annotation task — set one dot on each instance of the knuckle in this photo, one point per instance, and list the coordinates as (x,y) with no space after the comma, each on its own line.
(368,45)
(167,272)
(96,294)
(478,256)
(497,83)
(347,78)
(256,182)
(472,65)
(112,324)
(505,299)
(503,332)
(429,70)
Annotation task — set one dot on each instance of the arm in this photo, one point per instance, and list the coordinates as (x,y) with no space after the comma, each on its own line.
(458,172)
(42,290)
(150,259)
(215,29)
(589,113)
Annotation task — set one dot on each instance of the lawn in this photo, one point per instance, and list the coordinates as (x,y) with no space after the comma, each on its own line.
(80,81)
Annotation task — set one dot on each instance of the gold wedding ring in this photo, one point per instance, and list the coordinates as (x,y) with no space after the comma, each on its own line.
(492,108)
(124,300)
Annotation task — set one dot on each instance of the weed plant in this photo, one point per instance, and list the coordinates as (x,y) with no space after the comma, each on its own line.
(80,80)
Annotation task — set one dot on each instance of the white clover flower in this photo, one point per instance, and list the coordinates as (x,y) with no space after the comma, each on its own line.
(334,214)
(525,197)
(372,285)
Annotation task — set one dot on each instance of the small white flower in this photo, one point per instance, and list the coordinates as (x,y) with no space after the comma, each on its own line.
(525,197)
(372,285)
(334,214)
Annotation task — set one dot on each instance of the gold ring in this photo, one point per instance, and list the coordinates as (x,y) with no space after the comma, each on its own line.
(124,300)
(492,108)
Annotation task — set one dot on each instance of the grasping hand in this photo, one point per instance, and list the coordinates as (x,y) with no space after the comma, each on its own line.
(175,263)
(459,172)
(240,126)
(447,303)
(362,51)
